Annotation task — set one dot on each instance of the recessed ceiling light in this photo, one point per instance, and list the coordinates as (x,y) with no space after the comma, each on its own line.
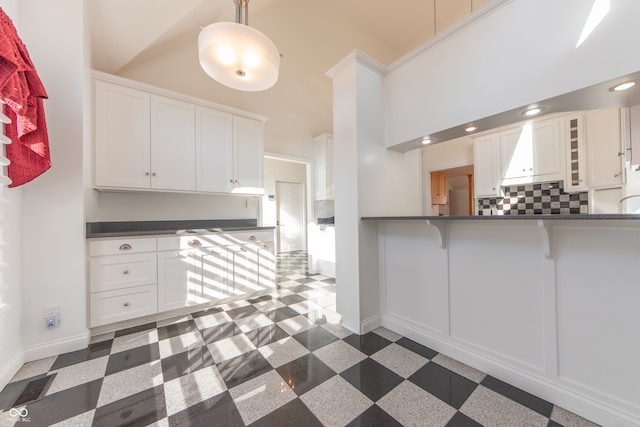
(623,86)
(533,111)
(426,141)
(470,129)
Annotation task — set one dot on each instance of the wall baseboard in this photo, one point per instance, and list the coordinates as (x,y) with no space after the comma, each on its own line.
(53,348)
(370,324)
(586,406)
(11,368)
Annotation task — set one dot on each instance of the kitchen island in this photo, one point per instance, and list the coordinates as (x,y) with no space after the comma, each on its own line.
(548,303)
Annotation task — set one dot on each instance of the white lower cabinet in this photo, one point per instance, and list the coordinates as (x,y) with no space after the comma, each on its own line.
(176,272)
(123,304)
(177,282)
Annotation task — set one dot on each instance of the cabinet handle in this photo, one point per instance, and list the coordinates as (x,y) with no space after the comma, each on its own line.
(146,174)
(179,255)
(621,154)
(153,174)
(616,175)
(125,272)
(195,242)
(253,238)
(125,247)
(126,304)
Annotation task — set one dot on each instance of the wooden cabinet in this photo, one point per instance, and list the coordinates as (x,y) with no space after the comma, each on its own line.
(173,154)
(323,167)
(439,190)
(176,272)
(604,148)
(122,134)
(248,155)
(486,166)
(214,151)
(532,152)
(122,278)
(148,141)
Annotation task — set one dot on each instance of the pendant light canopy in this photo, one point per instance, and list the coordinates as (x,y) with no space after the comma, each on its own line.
(237,55)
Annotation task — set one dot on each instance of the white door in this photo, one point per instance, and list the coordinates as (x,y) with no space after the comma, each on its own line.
(290,216)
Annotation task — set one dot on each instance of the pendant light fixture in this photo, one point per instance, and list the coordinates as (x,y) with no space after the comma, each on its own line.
(237,55)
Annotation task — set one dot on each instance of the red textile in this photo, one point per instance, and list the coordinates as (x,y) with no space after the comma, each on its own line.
(23,93)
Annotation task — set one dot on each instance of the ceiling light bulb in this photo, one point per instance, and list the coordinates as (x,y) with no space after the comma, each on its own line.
(533,111)
(426,141)
(623,86)
(470,129)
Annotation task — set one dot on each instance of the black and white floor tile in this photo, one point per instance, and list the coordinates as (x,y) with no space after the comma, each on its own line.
(277,360)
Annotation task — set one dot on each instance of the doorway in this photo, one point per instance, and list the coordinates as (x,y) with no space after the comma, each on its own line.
(290,221)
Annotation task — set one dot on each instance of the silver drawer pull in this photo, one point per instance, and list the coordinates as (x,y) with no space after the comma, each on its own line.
(126,304)
(125,247)
(253,238)
(195,242)
(125,272)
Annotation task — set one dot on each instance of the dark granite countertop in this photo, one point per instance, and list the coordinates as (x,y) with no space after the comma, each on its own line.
(149,228)
(588,217)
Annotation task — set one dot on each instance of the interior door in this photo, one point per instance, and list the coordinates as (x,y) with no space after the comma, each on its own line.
(290,216)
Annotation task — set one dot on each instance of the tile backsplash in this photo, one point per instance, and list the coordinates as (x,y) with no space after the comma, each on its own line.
(538,198)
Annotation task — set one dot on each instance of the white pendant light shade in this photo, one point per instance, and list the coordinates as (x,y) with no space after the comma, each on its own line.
(238,56)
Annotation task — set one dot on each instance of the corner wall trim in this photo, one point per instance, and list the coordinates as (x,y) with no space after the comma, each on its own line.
(11,368)
(53,348)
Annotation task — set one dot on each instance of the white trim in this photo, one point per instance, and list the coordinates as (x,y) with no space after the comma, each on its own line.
(110,78)
(10,368)
(359,58)
(459,26)
(54,348)
(536,384)
(368,325)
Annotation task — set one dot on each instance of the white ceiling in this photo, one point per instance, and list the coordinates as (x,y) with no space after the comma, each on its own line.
(155,41)
(125,33)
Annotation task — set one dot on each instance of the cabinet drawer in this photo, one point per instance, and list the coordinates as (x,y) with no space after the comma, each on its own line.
(174,243)
(123,304)
(251,237)
(122,271)
(122,246)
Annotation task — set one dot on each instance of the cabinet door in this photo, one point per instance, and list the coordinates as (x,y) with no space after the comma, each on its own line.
(244,278)
(178,284)
(213,272)
(248,155)
(604,148)
(173,156)
(516,153)
(122,136)
(266,266)
(214,151)
(486,166)
(547,150)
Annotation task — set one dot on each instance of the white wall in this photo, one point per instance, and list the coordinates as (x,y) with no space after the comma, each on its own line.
(521,53)
(131,206)
(53,243)
(369,180)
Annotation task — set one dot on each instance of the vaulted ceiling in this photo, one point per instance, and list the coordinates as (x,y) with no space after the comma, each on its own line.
(155,41)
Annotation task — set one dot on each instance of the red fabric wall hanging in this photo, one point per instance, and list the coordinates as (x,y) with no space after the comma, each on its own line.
(23,92)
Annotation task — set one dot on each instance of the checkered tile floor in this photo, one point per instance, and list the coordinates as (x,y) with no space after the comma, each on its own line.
(278,360)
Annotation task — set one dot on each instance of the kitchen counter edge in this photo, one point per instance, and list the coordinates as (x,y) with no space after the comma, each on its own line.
(573,217)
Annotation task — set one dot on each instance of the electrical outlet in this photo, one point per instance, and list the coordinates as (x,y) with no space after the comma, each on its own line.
(50,315)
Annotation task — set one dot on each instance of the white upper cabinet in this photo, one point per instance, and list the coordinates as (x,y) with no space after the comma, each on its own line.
(145,140)
(248,155)
(532,152)
(173,154)
(122,134)
(604,148)
(214,150)
(486,158)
